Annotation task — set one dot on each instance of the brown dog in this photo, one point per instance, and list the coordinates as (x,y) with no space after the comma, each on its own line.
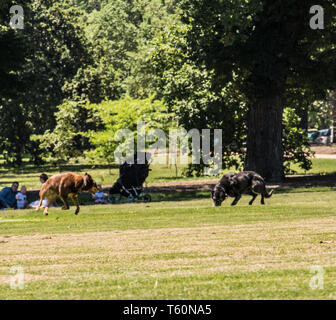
(66,185)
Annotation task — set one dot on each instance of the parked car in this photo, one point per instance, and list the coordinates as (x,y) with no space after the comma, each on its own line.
(320,137)
(312,135)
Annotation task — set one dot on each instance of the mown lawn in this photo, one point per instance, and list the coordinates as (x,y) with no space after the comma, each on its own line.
(176,249)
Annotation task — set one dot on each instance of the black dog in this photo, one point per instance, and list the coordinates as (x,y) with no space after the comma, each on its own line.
(236,184)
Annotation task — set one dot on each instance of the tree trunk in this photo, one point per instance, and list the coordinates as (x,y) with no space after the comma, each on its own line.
(332,99)
(264,139)
(303,114)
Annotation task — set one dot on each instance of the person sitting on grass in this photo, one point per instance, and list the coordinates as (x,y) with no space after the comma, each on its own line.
(43,179)
(7,196)
(21,198)
(100,197)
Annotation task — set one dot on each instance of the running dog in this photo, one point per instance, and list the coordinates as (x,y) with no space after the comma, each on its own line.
(236,184)
(66,185)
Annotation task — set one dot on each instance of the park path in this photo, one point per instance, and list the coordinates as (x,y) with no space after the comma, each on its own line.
(325,156)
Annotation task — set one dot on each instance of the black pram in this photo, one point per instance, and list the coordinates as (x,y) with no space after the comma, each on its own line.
(131,179)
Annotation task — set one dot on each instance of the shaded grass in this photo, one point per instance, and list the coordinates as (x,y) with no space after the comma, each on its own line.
(106,175)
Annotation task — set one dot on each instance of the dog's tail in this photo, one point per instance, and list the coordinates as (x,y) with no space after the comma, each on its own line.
(268,195)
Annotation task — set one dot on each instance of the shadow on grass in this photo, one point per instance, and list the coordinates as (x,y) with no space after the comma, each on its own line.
(184,178)
(282,190)
(86,199)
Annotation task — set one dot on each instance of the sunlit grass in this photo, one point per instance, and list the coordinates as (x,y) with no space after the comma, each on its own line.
(174,249)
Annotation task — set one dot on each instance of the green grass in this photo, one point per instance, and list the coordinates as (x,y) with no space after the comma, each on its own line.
(320,166)
(29,175)
(179,248)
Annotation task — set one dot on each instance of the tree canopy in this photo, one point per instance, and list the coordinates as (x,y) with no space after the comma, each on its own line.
(252,68)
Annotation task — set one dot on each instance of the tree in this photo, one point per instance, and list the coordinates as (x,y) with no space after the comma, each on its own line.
(67,139)
(270,47)
(192,92)
(13,133)
(124,114)
(322,112)
(52,61)
(295,142)
(13,50)
(96,72)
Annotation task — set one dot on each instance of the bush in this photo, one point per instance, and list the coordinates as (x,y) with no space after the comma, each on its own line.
(295,143)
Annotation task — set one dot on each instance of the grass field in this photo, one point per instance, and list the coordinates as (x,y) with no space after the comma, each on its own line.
(29,175)
(181,249)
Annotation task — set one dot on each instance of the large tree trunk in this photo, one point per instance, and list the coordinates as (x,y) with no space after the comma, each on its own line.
(264,139)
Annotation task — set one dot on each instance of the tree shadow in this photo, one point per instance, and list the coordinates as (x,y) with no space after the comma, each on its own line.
(314,180)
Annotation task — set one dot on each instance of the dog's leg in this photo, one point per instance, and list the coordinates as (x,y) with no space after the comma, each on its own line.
(64,199)
(39,205)
(257,188)
(75,201)
(42,194)
(45,212)
(262,201)
(254,195)
(237,198)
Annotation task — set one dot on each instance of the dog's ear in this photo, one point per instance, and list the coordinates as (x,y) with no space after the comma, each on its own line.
(85,179)
(223,192)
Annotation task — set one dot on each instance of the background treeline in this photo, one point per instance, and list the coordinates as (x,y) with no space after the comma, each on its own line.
(81,70)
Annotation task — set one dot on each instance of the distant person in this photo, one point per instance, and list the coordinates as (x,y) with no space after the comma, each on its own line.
(21,198)
(43,179)
(100,197)
(8,196)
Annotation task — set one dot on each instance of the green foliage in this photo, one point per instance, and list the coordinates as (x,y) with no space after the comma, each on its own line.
(13,132)
(66,140)
(14,48)
(295,142)
(193,94)
(120,32)
(57,62)
(55,47)
(322,112)
(13,51)
(210,61)
(257,49)
(125,114)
